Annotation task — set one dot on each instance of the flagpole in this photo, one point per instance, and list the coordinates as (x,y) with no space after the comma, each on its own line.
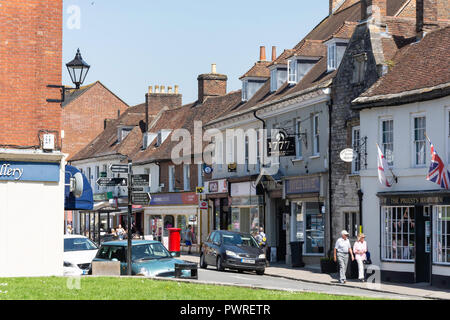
(390,169)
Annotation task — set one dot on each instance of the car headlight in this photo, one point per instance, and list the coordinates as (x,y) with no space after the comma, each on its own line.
(231,254)
(262,256)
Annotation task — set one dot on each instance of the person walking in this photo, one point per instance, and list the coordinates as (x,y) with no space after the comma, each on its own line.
(360,250)
(120,232)
(341,251)
(189,238)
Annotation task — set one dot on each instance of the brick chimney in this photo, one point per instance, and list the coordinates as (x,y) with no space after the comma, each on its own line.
(426,16)
(158,99)
(211,84)
(370,7)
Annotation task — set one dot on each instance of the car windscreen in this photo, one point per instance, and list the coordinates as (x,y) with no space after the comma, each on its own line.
(239,240)
(149,252)
(78,244)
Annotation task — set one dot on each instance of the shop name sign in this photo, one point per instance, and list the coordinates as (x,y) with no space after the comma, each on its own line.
(412,200)
(29,171)
(303,185)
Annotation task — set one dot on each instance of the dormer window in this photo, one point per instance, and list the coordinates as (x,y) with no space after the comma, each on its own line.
(335,52)
(250,86)
(123,132)
(162,136)
(332,63)
(298,67)
(278,76)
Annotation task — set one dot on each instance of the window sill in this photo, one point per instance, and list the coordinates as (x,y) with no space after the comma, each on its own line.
(297,160)
(316,156)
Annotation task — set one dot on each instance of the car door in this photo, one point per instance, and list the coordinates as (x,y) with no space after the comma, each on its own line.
(207,248)
(214,248)
(118,253)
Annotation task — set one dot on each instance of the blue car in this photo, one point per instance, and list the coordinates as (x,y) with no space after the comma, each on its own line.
(149,258)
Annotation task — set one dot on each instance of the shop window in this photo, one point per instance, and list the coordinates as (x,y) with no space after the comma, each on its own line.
(442,235)
(398,233)
(314,230)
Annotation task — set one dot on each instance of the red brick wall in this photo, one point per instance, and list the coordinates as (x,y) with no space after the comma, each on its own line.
(30,59)
(211,85)
(84,118)
(157,101)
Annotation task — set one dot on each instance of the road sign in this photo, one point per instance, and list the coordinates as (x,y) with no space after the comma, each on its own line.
(142,199)
(140,180)
(119,168)
(112,182)
(203,205)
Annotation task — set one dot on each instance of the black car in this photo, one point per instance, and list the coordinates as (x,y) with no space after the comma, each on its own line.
(233,250)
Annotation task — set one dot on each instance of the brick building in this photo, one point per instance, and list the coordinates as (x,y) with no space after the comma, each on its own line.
(31,179)
(84,112)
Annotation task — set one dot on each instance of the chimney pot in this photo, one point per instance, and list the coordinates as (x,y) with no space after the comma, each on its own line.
(262,53)
(274,53)
(169,90)
(176,89)
(163,89)
(156,89)
(150,90)
(213,68)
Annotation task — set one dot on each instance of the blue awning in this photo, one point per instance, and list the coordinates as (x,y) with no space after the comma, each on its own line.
(86,199)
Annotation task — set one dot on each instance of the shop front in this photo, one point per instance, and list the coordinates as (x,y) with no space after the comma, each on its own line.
(307,217)
(173,210)
(247,208)
(217,195)
(415,237)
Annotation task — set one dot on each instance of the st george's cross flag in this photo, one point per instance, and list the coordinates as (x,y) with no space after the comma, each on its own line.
(438,172)
(382,167)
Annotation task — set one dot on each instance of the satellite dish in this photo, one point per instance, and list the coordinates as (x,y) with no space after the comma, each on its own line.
(77,188)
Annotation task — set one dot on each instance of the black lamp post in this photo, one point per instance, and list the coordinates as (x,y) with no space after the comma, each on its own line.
(78,70)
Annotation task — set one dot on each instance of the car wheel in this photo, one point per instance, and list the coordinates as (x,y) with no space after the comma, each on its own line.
(260,272)
(203,264)
(219,264)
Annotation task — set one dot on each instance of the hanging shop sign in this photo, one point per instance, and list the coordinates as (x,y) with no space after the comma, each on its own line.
(283,145)
(243,189)
(348,155)
(29,171)
(216,186)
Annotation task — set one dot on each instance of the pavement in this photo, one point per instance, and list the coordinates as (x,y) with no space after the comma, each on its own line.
(311,275)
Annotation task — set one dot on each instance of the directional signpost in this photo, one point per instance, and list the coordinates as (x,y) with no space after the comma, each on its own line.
(141,198)
(119,168)
(112,182)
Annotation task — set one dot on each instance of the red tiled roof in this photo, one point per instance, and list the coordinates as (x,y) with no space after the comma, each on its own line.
(418,66)
(259,70)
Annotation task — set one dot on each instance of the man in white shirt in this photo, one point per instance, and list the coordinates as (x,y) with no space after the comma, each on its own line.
(341,251)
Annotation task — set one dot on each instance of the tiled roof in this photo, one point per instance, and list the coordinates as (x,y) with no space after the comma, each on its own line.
(345,31)
(183,118)
(73,94)
(417,66)
(259,70)
(106,143)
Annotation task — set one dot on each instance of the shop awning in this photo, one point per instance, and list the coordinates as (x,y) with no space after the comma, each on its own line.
(82,197)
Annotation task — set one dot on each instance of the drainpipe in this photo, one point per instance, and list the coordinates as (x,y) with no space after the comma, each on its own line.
(330,106)
(360,196)
(264,130)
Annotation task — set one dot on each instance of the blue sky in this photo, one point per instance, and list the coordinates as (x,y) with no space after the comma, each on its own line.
(136,43)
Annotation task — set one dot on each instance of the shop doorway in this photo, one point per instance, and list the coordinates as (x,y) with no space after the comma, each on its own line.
(423,244)
(281,232)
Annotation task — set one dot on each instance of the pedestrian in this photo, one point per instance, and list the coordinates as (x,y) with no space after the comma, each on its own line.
(341,251)
(120,232)
(189,238)
(360,250)
(262,241)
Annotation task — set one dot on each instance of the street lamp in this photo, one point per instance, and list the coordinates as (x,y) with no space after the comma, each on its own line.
(78,70)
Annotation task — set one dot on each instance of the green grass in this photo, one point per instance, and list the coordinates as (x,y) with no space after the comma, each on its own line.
(105,288)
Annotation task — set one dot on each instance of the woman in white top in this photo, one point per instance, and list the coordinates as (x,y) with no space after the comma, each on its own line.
(360,250)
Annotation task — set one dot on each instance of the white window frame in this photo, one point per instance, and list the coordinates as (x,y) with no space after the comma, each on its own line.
(244,90)
(200,174)
(356,144)
(187,177)
(273,80)
(292,71)
(298,140)
(219,155)
(171,178)
(332,56)
(414,142)
(384,236)
(316,135)
(382,144)
(247,153)
(352,217)
(444,233)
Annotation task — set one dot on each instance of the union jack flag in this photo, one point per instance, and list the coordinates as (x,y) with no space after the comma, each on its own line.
(438,172)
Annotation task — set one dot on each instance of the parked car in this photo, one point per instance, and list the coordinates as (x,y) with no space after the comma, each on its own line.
(79,252)
(149,258)
(233,250)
